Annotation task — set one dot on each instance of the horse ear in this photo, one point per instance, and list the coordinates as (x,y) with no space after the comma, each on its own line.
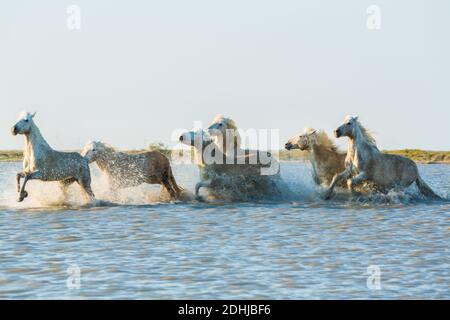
(355,118)
(32,116)
(312,132)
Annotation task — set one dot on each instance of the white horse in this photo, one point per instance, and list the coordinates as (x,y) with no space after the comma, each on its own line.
(364,162)
(43,163)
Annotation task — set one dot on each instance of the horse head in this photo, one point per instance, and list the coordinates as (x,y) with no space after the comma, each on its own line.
(196,138)
(302,141)
(347,129)
(23,124)
(94,149)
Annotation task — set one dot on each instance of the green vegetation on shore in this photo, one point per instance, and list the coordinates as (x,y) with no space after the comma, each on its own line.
(11,155)
(423,156)
(419,156)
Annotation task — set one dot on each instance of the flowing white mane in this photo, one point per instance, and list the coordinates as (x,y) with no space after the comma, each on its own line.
(367,134)
(229,125)
(321,138)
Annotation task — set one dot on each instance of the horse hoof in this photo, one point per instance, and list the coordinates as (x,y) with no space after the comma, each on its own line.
(199,199)
(23,195)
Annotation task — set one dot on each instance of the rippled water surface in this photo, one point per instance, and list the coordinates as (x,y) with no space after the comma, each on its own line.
(137,247)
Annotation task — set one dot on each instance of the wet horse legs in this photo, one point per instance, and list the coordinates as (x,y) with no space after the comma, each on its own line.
(32,176)
(19,176)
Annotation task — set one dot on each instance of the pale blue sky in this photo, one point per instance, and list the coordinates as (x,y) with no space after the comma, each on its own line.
(137,70)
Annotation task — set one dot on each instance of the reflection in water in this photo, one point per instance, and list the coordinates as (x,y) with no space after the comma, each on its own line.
(137,246)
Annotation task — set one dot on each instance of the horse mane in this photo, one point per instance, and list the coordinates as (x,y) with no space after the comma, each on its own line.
(325,141)
(230,125)
(367,134)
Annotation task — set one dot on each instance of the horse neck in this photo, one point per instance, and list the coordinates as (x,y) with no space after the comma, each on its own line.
(226,145)
(359,146)
(200,153)
(35,142)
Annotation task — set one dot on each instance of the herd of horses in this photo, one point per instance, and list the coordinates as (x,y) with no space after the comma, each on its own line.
(226,170)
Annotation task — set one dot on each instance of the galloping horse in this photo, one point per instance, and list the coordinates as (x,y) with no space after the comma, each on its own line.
(326,159)
(43,163)
(127,170)
(364,162)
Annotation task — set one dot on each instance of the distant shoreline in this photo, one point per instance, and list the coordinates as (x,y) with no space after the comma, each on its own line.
(419,156)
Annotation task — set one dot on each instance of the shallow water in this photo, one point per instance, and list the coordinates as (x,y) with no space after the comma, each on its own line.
(137,247)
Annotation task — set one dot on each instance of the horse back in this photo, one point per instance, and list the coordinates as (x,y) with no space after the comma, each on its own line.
(59,165)
(156,164)
(394,170)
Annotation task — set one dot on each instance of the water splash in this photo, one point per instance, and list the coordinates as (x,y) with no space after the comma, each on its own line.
(296,186)
(49,194)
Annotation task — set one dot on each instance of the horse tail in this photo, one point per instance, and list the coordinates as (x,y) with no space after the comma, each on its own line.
(426,190)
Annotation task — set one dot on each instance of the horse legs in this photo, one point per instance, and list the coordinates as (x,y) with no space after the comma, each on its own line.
(316,178)
(174,184)
(87,191)
(165,181)
(360,178)
(22,193)
(85,184)
(19,176)
(64,185)
(201,184)
(336,180)
(31,176)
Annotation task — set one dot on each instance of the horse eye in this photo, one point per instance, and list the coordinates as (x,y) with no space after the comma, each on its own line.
(349,123)
(220,124)
(26,120)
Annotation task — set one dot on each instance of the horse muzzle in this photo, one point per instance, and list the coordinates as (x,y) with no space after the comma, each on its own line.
(14,131)
(337,133)
(288,146)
